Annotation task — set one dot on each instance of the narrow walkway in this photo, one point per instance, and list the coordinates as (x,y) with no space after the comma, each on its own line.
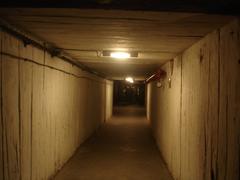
(123,149)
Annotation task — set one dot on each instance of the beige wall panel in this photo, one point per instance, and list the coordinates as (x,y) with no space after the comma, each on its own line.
(152,104)
(11,118)
(67,98)
(165,121)
(50,107)
(199,113)
(90,108)
(36,58)
(10,44)
(173,125)
(83,114)
(91,105)
(10,109)
(102,106)
(148,100)
(211,53)
(209,108)
(52,103)
(38,129)
(109,99)
(229,119)
(25,75)
(47,113)
(1,122)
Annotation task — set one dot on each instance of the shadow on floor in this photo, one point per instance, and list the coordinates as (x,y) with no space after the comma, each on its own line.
(136,111)
(123,149)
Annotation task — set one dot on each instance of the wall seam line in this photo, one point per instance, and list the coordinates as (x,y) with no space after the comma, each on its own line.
(6,165)
(219,81)
(181,118)
(19,118)
(31,121)
(226,146)
(2,116)
(206,125)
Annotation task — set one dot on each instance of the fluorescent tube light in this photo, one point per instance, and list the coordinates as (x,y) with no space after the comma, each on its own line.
(120,55)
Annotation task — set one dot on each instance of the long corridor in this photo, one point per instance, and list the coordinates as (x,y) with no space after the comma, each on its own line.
(122,149)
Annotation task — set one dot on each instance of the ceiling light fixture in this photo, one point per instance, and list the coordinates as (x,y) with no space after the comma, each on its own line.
(129,79)
(120,55)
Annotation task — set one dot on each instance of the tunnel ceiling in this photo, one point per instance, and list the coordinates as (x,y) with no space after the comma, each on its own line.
(83,33)
(204,6)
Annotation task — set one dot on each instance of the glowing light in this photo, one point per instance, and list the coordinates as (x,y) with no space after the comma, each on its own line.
(129,79)
(120,55)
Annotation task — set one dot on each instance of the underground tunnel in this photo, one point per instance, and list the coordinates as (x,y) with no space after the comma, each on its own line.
(113,90)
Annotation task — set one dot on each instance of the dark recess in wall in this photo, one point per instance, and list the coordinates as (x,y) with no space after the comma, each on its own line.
(129,94)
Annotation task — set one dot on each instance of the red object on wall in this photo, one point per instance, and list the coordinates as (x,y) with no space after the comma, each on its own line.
(157,76)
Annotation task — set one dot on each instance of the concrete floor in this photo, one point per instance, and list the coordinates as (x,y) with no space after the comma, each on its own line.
(123,149)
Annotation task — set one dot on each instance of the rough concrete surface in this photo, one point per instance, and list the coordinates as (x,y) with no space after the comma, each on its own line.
(195,118)
(122,149)
(48,108)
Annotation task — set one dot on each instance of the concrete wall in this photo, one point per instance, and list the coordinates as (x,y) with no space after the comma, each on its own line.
(109,100)
(48,108)
(196,117)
